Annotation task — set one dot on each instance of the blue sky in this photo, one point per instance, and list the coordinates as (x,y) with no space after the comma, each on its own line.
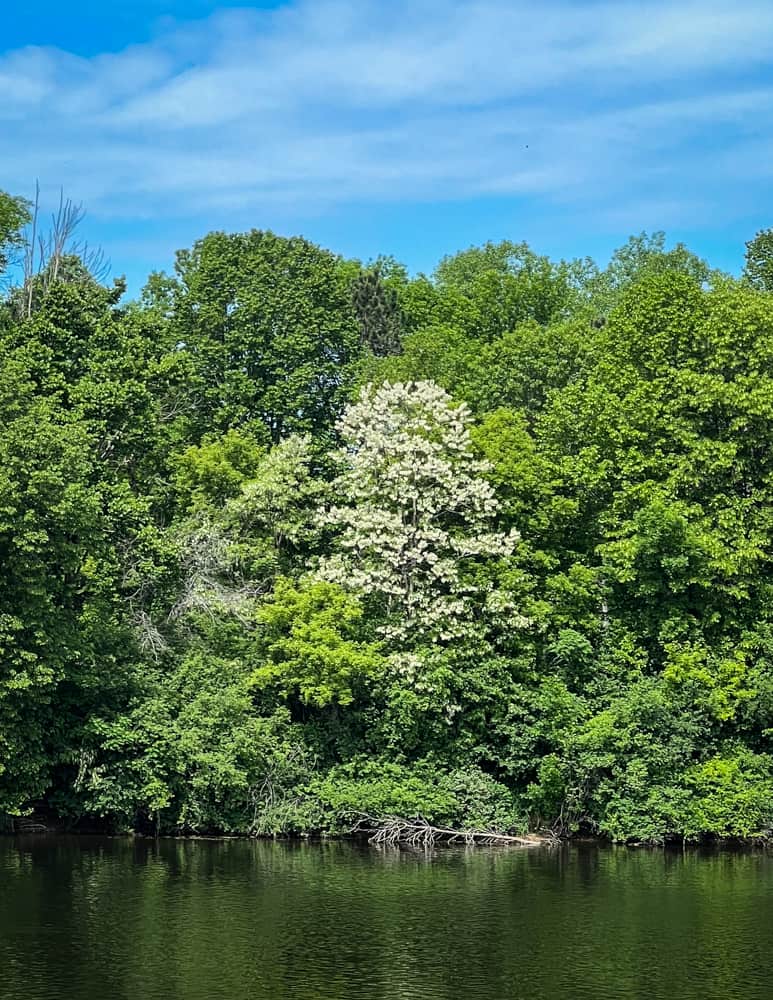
(411,128)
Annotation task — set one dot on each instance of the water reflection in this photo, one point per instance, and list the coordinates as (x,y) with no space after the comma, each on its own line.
(96,918)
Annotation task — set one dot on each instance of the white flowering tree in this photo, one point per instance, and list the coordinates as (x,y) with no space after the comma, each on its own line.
(415,510)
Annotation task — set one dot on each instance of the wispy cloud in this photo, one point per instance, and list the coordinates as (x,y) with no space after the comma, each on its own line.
(321,102)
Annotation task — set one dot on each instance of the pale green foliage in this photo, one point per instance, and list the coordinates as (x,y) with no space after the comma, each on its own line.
(214,471)
(416,509)
(730,794)
(310,645)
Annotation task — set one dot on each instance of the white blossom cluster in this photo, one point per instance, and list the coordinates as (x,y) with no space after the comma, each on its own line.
(414,506)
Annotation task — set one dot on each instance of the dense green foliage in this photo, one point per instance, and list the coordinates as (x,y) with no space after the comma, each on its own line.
(14,216)
(291,540)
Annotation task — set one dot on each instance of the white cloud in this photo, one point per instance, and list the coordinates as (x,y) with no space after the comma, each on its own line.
(328,101)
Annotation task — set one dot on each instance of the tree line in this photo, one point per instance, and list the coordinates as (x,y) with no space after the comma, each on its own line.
(292,539)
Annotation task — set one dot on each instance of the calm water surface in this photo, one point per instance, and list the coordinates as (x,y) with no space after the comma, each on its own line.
(98,919)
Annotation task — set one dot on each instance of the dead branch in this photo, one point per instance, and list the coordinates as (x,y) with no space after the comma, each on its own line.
(212,584)
(149,637)
(391,831)
(57,255)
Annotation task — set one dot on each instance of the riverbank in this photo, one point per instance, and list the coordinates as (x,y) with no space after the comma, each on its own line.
(412,834)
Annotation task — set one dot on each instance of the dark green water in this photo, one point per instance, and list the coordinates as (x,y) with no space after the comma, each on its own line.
(94,919)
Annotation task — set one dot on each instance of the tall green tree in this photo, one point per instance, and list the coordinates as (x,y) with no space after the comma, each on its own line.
(270,330)
(758,270)
(378,312)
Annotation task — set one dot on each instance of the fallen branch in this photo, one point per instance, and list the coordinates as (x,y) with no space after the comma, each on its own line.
(390,831)
(28,824)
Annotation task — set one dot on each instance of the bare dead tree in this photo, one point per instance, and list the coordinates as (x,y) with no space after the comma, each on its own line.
(48,254)
(212,584)
(149,637)
(29,253)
